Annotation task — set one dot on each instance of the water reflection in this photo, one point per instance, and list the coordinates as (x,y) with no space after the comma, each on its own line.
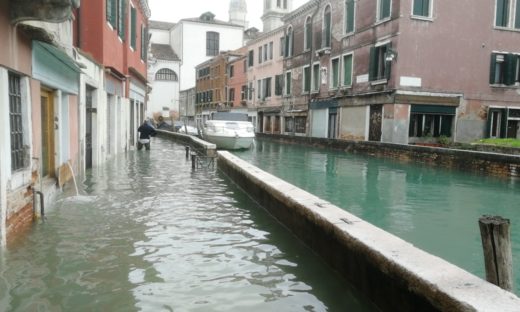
(149,234)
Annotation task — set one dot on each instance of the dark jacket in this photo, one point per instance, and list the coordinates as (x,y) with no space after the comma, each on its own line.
(146,131)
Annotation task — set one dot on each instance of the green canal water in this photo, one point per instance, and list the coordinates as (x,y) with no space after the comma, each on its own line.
(435,209)
(149,234)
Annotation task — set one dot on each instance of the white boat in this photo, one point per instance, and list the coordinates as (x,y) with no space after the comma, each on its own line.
(229,134)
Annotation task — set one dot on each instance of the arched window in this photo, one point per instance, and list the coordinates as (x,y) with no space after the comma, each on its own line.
(289,42)
(166,74)
(327,28)
(212,43)
(308,33)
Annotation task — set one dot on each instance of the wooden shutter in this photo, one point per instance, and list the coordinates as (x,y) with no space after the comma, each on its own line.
(502,13)
(133,34)
(121,19)
(387,64)
(350,16)
(517,15)
(372,66)
(492,68)
(510,69)
(347,70)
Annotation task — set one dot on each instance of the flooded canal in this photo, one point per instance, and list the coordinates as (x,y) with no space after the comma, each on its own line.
(435,209)
(148,234)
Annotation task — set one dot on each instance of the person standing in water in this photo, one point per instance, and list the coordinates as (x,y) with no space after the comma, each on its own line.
(145,132)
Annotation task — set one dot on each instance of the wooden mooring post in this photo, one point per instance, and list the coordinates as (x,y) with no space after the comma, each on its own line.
(498,258)
(187,152)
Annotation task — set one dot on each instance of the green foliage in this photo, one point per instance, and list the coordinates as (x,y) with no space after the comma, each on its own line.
(445,140)
(501,142)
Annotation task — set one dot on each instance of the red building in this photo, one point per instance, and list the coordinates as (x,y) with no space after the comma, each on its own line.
(115,34)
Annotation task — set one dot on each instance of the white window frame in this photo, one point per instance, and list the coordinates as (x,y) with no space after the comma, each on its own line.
(287,91)
(378,11)
(421,17)
(510,17)
(306,44)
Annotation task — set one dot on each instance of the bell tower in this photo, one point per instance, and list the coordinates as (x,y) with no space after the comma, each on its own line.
(238,12)
(274,10)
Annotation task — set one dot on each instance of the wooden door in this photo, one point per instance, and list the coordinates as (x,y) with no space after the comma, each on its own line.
(47,118)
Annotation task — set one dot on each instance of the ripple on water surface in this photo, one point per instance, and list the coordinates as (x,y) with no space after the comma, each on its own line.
(151,235)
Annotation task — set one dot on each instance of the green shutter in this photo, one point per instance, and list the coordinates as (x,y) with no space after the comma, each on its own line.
(121,19)
(350,16)
(510,69)
(347,70)
(517,15)
(387,64)
(133,35)
(492,68)
(372,66)
(112,12)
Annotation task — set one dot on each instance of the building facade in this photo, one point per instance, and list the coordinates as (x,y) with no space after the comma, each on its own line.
(39,88)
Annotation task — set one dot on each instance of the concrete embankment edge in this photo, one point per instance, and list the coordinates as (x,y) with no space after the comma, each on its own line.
(391,272)
(199,146)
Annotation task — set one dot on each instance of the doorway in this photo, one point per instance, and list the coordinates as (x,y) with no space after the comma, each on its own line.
(89,128)
(47,123)
(376,114)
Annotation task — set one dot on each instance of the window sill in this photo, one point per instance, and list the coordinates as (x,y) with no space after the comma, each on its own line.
(503,86)
(349,34)
(378,82)
(502,28)
(382,21)
(422,18)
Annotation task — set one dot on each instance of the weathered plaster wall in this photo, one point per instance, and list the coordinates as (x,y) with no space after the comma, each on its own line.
(353,123)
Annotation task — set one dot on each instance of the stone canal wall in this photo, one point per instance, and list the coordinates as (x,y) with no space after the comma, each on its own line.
(392,273)
(476,161)
(200,146)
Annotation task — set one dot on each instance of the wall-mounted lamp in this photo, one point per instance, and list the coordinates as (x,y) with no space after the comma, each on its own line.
(390,55)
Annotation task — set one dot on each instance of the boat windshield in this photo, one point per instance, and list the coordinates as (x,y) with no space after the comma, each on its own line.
(232,125)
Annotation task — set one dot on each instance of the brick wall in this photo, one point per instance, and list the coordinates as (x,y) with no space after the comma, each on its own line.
(474,161)
(19,211)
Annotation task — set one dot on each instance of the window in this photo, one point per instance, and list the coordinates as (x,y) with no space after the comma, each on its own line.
(285,4)
(266,91)
(299,124)
(278,3)
(289,42)
(282,46)
(430,125)
(289,124)
(231,71)
(306,79)
(265,52)
(166,74)
(231,94)
(288,83)
(250,58)
(316,77)
(327,28)
(250,91)
(115,16)
(334,77)
(260,55)
(121,17)
(144,42)
(349,16)
(422,8)
(212,43)
(133,28)
(259,90)
(504,69)
(15,120)
(278,85)
(267,4)
(383,9)
(507,13)
(379,68)
(308,33)
(496,123)
(271,50)
(243,93)
(347,70)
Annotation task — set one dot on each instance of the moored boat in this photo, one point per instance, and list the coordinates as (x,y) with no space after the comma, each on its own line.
(229,134)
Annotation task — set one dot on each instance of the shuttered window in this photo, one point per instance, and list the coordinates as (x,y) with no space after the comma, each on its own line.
(144,42)
(379,68)
(349,16)
(121,19)
(306,79)
(111,6)
(133,28)
(288,83)
(504,69)
(308,33)
(289,42)
(334,83)
(327,28)
(507,13)
(278,85)
(347,70)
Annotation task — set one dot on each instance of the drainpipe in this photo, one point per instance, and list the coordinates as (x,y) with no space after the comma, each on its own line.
(318,3)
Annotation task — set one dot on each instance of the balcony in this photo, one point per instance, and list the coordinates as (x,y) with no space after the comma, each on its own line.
(52,11)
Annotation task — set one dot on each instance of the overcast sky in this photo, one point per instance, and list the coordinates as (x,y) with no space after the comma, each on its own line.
(174,10)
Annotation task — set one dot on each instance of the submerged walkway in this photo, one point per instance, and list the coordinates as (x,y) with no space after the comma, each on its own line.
(149,234)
